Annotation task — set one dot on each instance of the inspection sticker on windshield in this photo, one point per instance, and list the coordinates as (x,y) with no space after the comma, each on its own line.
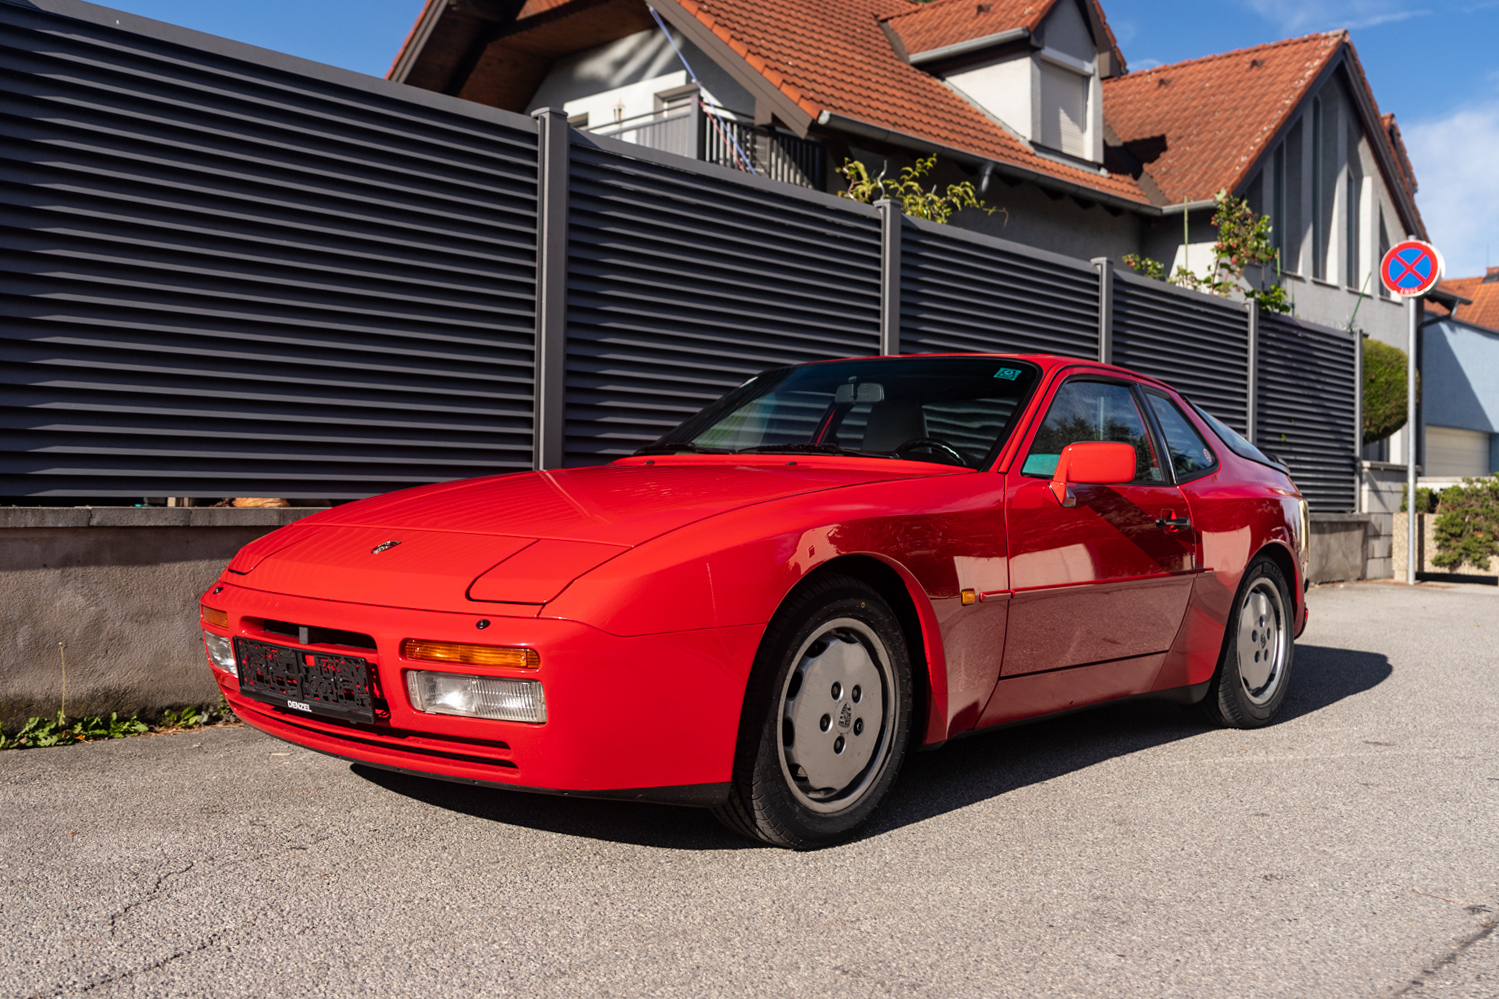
(1008,374)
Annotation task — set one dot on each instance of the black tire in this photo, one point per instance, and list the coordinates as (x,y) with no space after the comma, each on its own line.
(806,771)
(1254,668)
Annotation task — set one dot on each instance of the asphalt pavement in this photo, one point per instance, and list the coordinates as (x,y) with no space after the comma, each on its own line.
(1347,851)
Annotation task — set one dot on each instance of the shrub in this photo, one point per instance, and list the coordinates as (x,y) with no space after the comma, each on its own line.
(1467,525)
(1384,390)
(933,205)
(1426,499)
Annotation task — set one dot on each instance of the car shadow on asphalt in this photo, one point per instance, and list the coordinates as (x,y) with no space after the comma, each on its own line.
(961,773)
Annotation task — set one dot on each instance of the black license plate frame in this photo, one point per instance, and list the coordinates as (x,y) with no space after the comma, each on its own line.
(322,684)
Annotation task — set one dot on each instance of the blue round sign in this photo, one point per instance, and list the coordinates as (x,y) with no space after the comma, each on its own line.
(1411,268)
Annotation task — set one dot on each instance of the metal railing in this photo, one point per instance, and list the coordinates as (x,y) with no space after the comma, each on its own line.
(726,138)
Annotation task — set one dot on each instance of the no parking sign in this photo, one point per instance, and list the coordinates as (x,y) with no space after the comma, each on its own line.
(1411,268)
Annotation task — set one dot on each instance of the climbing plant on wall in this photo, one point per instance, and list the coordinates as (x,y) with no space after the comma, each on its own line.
(933,204)
(1243,241)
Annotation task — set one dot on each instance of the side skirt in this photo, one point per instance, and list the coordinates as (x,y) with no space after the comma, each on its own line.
(1178,695)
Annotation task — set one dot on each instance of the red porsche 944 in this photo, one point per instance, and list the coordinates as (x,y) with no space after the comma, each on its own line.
(764,611)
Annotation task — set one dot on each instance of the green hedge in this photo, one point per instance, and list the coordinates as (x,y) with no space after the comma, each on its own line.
(1384,390)
(1467,525)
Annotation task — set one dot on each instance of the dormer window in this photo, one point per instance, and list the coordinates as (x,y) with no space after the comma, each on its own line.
(1064,103)
(1040,82)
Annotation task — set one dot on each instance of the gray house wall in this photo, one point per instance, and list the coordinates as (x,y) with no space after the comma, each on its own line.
(1315,225)
(1460,378)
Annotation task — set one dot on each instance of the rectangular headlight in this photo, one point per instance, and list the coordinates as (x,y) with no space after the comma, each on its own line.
(492,697)
(469,655)
(220,652)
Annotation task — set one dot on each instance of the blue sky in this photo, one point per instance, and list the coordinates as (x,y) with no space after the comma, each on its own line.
(1432,62)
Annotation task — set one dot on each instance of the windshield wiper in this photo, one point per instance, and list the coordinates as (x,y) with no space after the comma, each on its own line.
(682,449)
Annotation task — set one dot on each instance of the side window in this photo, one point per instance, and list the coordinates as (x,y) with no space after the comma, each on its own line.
(1093,411)
(1189,453)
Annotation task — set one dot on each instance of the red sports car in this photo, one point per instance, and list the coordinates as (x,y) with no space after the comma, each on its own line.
(765,610)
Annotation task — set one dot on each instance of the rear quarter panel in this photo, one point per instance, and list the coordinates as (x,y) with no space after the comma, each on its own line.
(1238,511)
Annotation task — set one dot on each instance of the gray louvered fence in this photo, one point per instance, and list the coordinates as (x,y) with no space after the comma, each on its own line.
(1197,343)
(681,285)
(241,275)
(227,272)
(1307,408)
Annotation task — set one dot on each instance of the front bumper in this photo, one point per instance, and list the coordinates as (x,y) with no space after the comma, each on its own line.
(654,717)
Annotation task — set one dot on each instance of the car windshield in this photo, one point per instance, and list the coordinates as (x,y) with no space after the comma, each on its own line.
(954,410)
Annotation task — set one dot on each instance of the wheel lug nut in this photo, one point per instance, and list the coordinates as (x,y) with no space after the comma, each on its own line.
(837,690)
(838,744)
(856,694)
(826,723)
(858,726)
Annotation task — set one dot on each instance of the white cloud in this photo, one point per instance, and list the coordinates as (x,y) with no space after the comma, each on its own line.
(1454,158)
(1302,16)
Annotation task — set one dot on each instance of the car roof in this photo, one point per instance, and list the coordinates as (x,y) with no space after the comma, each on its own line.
(1047,362)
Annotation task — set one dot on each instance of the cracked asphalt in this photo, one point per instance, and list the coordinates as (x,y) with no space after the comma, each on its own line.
(1347,851)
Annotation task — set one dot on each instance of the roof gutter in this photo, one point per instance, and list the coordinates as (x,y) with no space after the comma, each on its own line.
(1186,206)
(877,133)
(972,45)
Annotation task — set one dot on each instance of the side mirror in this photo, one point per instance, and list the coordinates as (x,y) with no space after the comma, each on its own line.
(1092,463)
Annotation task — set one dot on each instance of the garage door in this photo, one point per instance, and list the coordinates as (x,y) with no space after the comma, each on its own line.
(1451,453)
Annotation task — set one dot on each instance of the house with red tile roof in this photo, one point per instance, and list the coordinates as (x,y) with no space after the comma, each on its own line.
(1459,411)
(1032,100)
(1475,300)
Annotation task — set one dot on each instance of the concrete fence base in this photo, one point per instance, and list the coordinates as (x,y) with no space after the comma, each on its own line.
(111,593)
(1426,547)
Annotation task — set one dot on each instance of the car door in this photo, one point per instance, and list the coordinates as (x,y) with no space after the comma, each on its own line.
(1109,578)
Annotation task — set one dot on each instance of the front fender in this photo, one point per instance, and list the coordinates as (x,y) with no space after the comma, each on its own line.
(700,577)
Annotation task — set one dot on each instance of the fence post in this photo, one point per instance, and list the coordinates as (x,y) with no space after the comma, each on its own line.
(891,218)
(1252,369)
(890,221)
(553,151)
(1105,309)
(1358,421)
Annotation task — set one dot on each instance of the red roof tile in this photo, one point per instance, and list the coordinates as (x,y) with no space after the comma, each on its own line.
(1201,125)
(948,22)
(835,57)
(1196,126)
(1484,291)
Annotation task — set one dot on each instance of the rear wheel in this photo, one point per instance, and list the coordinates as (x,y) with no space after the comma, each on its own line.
(1254,669)
(826,720)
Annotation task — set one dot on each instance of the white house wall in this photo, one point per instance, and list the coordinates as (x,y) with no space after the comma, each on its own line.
(625,75)
(1004,88)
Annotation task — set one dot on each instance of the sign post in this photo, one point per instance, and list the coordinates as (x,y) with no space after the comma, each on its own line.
(1410,270)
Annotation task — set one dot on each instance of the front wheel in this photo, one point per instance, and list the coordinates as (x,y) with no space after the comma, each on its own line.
(826,720)
(1254,669)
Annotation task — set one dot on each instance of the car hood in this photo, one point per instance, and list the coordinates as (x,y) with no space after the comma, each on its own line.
(521,539)
(625,503)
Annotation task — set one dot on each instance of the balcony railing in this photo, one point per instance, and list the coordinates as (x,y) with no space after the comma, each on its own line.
(727,138)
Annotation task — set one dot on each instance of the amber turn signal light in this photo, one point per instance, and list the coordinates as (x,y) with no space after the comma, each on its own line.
(423,650)
(217,618)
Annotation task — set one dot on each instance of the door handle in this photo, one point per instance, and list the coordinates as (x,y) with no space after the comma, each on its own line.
(1168,521)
